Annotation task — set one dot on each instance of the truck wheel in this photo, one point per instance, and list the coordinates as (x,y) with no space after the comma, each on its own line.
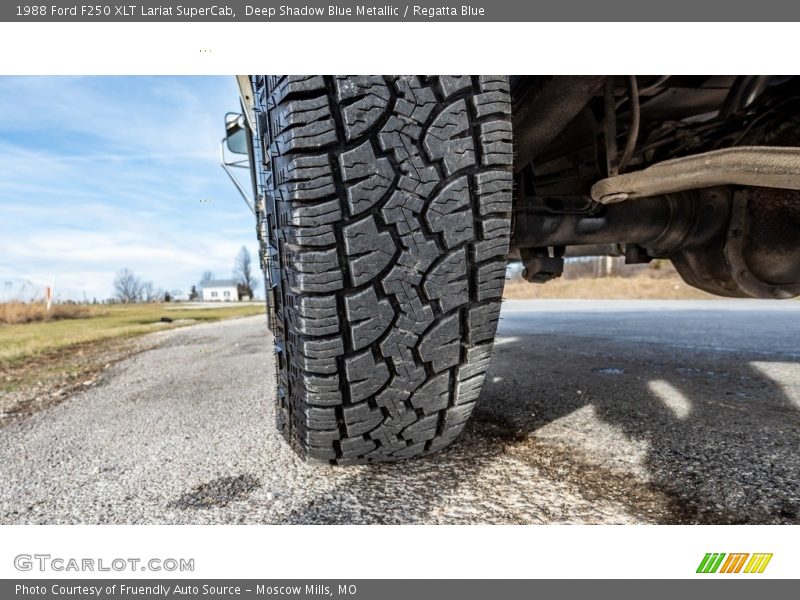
(385,227)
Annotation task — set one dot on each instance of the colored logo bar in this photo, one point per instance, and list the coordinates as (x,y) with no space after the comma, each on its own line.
(737,562)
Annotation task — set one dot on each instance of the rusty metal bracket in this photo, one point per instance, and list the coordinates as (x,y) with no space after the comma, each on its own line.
(763,166)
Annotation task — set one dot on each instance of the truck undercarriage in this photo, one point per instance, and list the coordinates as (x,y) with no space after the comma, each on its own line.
(699,170)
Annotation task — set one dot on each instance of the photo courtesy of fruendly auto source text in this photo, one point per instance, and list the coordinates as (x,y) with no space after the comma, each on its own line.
(319,335)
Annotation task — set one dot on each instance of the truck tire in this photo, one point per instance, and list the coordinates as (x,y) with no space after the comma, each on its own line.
(384,224)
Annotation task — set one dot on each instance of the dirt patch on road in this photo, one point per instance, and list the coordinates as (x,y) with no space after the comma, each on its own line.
(219,492)
(55,359)
(593,481)
(33,384)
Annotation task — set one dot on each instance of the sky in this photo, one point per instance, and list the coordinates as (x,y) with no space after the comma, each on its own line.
(98,174)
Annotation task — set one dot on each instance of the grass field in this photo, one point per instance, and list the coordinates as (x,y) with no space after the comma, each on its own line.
(104,322)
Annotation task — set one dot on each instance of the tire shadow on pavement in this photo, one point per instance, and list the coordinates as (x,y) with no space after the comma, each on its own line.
(577,428)
(721,437)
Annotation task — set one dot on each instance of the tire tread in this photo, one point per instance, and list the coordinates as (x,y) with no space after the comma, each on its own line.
(387,204)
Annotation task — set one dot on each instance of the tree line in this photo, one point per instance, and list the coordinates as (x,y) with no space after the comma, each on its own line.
(129,288)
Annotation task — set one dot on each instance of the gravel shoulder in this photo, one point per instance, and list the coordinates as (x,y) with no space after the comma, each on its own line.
(593,412)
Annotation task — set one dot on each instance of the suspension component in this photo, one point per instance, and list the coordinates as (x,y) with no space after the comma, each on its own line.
(761,166)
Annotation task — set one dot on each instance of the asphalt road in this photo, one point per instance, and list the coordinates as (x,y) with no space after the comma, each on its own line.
(593,412)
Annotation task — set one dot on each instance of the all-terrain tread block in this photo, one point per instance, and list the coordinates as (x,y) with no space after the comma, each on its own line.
(304,178)
(450,213)
(368,249)
(320,390)
(365,374)
(490,279)
(447,280)
(448,138)
(311,225)
(313,271)
(283,87)
(449,85)
(372,99)
(433,395)
(297,113)
(366,177)
(494,190)
(386,226)
(496,144)
(313,136)
(369,316)
(313,315)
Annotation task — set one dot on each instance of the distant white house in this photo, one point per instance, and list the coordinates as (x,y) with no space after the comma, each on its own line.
(220,290)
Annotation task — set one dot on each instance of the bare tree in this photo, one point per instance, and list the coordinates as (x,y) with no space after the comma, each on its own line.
(206,277)
(147,291)
(243,271)
(127,286)
(151,293)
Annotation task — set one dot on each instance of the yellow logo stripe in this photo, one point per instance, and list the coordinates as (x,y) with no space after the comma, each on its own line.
(758,563)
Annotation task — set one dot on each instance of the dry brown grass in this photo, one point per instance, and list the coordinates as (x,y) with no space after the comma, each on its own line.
(21,340)
(17,312)
(640,287)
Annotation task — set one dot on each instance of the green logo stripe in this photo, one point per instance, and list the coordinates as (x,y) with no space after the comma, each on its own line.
(710,562)
(717,563)
(701,568)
